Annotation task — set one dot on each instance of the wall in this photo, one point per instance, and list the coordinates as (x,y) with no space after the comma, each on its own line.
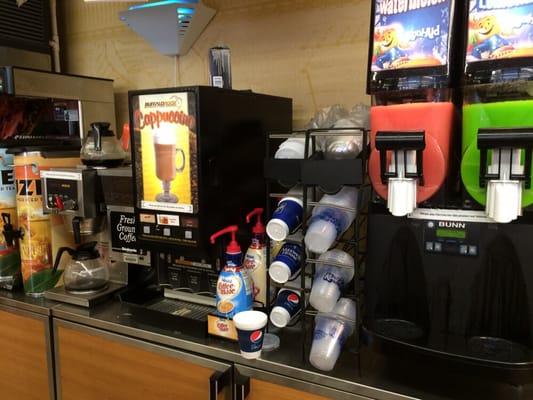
(314,51)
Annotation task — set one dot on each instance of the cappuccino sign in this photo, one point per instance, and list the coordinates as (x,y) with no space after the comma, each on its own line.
(165,124)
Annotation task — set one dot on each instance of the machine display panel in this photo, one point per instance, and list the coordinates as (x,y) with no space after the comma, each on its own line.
(164,129)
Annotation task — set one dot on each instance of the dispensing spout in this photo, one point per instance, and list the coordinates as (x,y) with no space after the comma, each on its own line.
(233,246)
(258,228)
(10,234)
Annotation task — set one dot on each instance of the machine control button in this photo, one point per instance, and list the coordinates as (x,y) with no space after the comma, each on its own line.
(438,247)
(463,249)
(146,229)
(429,246)
(472,250)
(188,234)
(166,231)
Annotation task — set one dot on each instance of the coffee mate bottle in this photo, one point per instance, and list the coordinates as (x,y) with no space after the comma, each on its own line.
(255,258)
(234,288)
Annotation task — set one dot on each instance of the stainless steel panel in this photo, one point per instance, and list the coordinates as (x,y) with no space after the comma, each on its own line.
(50,85)
(83,300)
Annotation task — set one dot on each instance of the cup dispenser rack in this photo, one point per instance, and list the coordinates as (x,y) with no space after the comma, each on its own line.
(315,173)
(504,172)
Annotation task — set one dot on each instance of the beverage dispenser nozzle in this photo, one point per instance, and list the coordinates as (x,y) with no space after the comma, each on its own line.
(505,174)
(402,170)
(258,228)
(233,250)
(10,234)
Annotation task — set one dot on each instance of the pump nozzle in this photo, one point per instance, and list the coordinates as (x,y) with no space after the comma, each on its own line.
(233,246)
(258,228)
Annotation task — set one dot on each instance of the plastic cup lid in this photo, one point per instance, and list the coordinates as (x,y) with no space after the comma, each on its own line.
(280,317)
(279,272)
(277,229)
(250,320)
(320,236)
(270,342)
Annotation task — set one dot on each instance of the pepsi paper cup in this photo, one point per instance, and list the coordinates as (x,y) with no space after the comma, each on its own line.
(250,330)
(288,306)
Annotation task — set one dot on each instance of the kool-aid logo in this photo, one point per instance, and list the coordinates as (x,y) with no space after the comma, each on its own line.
(256,336)
(293,298)
(331,278)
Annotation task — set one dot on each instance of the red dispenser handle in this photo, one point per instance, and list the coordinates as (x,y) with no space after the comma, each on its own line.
(233,246)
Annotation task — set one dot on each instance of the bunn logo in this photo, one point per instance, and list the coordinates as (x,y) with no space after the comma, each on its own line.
(450,224)
(30,187)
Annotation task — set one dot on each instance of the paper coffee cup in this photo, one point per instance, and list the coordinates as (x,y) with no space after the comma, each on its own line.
(250,330)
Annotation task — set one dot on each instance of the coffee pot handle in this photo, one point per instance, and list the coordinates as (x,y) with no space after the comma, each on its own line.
(182,167)
(76,229)
(58,256)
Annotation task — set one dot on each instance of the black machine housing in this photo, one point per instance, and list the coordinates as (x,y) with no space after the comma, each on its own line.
(457,291)
(230,128)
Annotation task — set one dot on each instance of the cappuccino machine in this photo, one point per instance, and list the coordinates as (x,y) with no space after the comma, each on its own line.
(448,275)
(197,168)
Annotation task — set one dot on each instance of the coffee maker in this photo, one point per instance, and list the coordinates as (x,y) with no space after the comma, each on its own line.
(76,195)
(197,167)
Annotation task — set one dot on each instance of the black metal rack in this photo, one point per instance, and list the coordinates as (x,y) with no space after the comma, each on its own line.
(315,173)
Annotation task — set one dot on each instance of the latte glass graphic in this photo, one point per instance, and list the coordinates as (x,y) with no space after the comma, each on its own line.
(165,162)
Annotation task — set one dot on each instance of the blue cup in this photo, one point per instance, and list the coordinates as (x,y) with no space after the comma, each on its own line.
(286,219)
(287,306)
(287,263)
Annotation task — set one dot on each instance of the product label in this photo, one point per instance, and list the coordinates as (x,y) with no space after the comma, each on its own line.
(290,212)
(35,245)
(331,276)
(123,237)
(250,341)
(255,257)
(333,215)
(500,29)
(331,330)
(9,256)
(290,301)
(410,34)
(231,293)
(291,255)
(166,151)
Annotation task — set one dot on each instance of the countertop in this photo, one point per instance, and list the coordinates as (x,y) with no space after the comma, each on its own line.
(371,375)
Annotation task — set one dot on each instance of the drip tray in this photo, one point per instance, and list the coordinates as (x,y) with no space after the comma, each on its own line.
(398,329)
(181,309)
(497,349)
(151,307)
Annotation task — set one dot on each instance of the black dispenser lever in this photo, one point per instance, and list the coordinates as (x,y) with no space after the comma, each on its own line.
(401,141)
(497,139)
(10,234)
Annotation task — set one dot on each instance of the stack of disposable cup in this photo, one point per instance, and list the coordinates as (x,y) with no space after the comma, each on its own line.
(329,222)
(331,331)
(330,280)
(292,148)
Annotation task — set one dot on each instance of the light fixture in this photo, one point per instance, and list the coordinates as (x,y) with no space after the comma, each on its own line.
(171,26)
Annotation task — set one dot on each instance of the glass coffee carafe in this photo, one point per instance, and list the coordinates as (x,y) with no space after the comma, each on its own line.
(86,272)
(101,148)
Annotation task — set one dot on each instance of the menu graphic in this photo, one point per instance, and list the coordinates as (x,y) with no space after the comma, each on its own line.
(500,29)
(410,34)
(166,152)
